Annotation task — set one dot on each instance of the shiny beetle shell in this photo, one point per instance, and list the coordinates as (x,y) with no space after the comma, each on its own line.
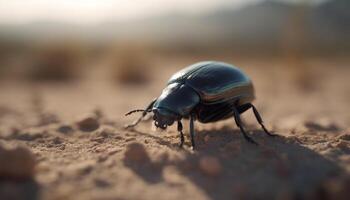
(216,82)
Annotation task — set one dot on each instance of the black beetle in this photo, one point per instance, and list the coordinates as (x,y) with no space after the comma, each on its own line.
(206,91)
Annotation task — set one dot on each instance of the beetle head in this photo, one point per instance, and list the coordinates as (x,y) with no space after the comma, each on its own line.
(163,118)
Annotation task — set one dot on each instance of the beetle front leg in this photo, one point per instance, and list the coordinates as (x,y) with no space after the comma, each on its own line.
(192,130)
(240,125)
(179,128)
(144,113)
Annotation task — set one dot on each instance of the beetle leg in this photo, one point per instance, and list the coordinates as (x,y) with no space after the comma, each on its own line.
(192,130)
(179,128)
(259,119)
(240,125)
(144,113)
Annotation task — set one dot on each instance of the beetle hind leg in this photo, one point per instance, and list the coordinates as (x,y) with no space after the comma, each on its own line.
(192,130)
(259,119)
(179,128)
(240,125)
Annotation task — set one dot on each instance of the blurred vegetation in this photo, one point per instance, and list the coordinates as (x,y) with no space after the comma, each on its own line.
(10,50)
(130,64)
(55,62)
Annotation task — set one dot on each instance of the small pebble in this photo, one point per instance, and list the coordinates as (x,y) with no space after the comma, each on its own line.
(210,166)
(102,183)
(30,135)
(57,140)
(130,139)
(65,129)
(88,124)
(98,139)
(102,158)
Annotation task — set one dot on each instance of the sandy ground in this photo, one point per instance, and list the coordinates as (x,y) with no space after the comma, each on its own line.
(73,145)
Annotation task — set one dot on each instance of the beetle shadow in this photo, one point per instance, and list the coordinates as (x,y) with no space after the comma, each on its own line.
(157,139)
(148,170)
(279,167)
(19,189)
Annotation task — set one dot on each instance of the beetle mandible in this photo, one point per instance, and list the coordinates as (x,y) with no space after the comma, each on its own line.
(206,91)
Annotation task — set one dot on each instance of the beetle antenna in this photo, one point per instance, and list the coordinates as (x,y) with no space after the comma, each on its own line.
(134,111)
(137,110)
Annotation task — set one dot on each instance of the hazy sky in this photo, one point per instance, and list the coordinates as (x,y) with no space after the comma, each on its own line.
(94,11)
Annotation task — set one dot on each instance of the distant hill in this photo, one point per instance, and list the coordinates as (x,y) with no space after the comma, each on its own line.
(267,23)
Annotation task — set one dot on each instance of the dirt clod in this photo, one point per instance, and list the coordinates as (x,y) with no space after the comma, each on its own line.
(88,124)
(136,152)
(16,162)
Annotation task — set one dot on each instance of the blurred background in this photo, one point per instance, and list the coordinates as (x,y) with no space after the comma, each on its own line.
(70,69)
(283,44)
(58,40)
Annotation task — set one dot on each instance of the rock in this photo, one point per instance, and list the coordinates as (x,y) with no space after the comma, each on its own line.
(130,139)
(65,129)
(101,183)
(135,152)
(88,123)
(30,135)
(210,166)
(105,132)
(16,162)
(57,140)
(344,137)
(98,139)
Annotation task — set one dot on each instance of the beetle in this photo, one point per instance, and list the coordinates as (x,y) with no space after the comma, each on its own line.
(207,91)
